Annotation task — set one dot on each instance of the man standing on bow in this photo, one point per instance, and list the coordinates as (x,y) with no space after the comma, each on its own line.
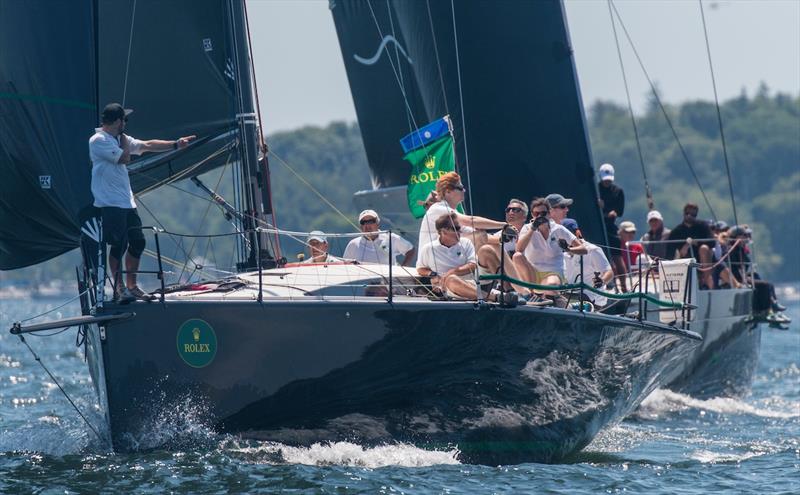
(110,150)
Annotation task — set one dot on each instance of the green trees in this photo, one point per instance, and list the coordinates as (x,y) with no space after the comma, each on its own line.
(763,138)
(315,171)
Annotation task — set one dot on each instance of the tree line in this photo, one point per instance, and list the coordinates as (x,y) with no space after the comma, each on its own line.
(762,133)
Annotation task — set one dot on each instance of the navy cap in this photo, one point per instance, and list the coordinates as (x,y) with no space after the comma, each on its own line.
(113,112)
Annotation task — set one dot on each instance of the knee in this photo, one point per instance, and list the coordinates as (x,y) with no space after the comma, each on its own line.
(115,252)
(136,248)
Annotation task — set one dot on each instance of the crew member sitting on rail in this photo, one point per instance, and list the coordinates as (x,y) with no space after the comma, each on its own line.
(450,192)
(489,254)
(701,244)
(539,257)
(449,260)
(597,270)
(374,248)
(654,238)
(318,246)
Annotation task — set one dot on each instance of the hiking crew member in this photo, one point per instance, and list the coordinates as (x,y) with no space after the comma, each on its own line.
(450,193)
(110,151)
(374,248)
(690,229)
(449,260)
(596,267)
(657,233)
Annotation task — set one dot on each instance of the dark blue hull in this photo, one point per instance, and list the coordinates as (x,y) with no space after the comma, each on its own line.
(504,385)
(725,363)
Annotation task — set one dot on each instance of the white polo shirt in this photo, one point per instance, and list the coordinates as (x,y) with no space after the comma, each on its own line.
(427,229)
(441,258)
(364,250)
(593,261)
(111,185)
(545,254)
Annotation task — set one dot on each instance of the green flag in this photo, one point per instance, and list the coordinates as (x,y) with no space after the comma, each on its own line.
(430,153)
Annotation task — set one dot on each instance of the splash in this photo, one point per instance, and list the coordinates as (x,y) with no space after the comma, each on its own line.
(179,424)
(665,401)
(346,454)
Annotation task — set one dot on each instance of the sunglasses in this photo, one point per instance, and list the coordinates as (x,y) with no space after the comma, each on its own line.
(561,207)
(457,228)
(540,213)
(458,188)
(690,214)
(513,209)
(367,221)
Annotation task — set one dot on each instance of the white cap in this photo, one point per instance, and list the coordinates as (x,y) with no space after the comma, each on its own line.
(369,213)
(606,172)
(654,214)
(627,226)
(317,235)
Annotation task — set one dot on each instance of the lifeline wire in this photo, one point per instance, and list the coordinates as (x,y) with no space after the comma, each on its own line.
(39,360)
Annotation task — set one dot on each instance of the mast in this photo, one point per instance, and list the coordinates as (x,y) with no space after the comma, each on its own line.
(254,193)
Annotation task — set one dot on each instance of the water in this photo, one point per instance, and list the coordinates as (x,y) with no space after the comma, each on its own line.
(673,443)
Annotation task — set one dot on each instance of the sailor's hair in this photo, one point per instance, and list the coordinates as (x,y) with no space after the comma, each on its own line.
(520,203)
(446,182)
(446,220)
(540,202)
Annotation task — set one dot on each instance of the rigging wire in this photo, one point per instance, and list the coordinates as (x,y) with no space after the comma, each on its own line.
(395,71)
(663,111)
(719,113)
(56,308)
(313,189)
(438,61)
(648,191)
(128,61)
(75,406)
(461,104)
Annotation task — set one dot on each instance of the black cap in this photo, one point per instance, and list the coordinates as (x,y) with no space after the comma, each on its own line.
(113,112)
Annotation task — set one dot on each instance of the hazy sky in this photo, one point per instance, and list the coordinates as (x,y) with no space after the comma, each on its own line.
(301,77)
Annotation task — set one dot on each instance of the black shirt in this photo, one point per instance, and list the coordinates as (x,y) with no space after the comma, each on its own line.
(613,198)
(698,230)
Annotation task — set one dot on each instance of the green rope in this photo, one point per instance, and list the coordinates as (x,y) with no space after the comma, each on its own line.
(610,295)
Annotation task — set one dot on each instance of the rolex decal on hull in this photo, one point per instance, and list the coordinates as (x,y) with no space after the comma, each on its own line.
(197,343)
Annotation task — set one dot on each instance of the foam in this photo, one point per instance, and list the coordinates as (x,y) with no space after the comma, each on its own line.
(350,454)
(665,401)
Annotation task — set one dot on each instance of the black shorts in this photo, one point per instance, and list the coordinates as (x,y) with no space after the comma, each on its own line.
(121,226)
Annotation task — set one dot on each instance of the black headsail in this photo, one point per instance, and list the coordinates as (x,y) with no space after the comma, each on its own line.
(47,112)
(505,73)
(180,64)
(379,70)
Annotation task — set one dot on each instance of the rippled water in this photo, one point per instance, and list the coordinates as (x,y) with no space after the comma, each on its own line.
(674,443)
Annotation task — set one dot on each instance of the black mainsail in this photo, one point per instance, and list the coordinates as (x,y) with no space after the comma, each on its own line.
(505,73)
(387,100)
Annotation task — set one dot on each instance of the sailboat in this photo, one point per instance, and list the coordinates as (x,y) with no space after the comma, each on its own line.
(291,352)
(504,72)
